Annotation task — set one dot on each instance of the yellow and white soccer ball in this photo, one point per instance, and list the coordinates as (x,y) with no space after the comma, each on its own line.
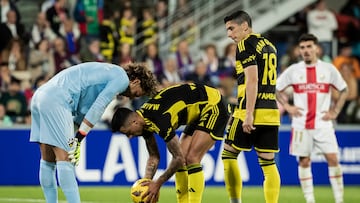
(137,190)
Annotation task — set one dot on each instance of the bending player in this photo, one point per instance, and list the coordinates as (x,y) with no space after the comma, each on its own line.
(78,94)
(202,110)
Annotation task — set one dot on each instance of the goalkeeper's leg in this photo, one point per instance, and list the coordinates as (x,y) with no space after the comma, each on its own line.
(47,179)
(67,181)
(66,176)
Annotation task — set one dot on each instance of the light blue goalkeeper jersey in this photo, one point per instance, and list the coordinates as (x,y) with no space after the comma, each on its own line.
(91,86)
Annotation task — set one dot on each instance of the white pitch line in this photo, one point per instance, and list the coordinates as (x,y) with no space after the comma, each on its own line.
(29,200)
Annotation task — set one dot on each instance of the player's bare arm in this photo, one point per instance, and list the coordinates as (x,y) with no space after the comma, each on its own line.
(293,111)
(154,157)
(334,112)
(177,161)
(251,75)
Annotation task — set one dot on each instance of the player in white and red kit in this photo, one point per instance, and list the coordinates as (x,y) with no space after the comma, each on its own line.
(312,114)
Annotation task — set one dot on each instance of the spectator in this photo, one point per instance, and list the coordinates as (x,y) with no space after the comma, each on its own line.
(69,30)
(88,14)
(351,8)
(147,28)
(41,30)
(14,101)
(183,58)
(109,37)
(14,54)
(127,27)
(92,52)
(292,56)
(62,57)
(29,92)
(41,60)
(153,59)
(161,18)
(346,71)
(5,77)
(322,55)
(211,60)
(200,75)
(349,28)
(345,56)
(5,7)
(5,120)
(170,74)
(56,15)
(11,29)
(125,56)
(322,23)
(227,62)
(46,4)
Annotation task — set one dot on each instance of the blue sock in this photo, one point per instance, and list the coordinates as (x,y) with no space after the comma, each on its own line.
(67,181)
(47,179)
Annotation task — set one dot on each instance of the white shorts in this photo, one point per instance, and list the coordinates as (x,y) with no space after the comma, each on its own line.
(320,141)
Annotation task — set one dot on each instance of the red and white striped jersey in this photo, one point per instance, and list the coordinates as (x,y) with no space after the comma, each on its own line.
(312,92)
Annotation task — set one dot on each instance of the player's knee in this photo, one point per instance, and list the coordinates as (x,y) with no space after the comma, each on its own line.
(265,162)
(304,162)
(226,154)
(191,159)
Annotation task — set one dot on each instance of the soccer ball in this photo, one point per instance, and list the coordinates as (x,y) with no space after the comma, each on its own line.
(137,190)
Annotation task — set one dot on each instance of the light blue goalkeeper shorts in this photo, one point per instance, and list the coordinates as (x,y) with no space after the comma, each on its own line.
(52,120)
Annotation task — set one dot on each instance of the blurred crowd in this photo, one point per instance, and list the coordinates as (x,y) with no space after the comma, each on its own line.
(66,33)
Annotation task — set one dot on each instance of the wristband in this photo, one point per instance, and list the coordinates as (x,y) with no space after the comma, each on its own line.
(84,129)
(79,136)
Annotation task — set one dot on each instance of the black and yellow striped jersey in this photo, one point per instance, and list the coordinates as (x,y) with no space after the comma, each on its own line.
(175,106)
(257,50)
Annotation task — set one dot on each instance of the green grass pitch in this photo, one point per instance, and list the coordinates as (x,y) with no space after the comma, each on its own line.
(288,194)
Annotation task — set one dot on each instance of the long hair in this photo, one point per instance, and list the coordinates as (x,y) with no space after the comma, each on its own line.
(140,71)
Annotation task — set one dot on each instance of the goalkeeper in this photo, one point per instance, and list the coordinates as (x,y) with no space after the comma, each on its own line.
(78,94)
(201,110)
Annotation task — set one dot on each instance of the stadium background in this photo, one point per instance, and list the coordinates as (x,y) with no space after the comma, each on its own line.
(104,155)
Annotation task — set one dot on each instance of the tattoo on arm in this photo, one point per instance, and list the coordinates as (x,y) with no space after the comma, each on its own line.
(177,161)
(154,157)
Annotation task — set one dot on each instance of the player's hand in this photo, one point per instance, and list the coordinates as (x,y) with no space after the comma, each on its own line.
(248,124)
(153,191)
(329,115)
(294,111)
(74,153)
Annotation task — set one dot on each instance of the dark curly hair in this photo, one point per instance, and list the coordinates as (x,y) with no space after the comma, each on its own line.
(141,72)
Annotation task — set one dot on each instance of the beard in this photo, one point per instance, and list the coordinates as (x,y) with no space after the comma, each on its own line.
(307,61)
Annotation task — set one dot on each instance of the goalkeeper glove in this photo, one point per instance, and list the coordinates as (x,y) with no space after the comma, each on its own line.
(74,144)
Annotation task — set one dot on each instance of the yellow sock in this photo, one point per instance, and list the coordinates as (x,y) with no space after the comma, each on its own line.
(196,183)
(272,180)
(232,177)
(181,185)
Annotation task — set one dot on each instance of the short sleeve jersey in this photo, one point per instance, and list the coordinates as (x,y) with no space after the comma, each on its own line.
(312,91)
(257,50)
(169,109)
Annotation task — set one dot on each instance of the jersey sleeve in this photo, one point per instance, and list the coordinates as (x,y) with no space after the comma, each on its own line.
(114,86)
(336,79)
(284,80)
(247,52)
